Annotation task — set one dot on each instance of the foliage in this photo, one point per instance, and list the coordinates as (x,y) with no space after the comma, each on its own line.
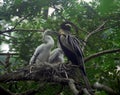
(87,16)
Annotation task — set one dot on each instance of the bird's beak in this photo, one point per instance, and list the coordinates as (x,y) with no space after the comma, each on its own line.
(54,33)
(61,32)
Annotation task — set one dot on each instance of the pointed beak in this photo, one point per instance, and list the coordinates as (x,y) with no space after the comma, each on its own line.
(55,33)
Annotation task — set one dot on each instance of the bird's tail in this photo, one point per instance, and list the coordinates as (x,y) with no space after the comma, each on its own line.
(86,81)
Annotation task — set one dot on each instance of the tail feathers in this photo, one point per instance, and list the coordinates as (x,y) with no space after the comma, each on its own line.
(87,83)
(82,69)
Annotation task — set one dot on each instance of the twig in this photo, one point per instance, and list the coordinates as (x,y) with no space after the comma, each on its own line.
(93,32)
(8,36)
(17,23)
(101,53)
(8,54)
(21,30)
(29,30)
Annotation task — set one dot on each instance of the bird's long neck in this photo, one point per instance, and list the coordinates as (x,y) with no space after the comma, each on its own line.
(50,42)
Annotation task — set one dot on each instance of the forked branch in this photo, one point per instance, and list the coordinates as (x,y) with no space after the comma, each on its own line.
(92,33)
(101,53)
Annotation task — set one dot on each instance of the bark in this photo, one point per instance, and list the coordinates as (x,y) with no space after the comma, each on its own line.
(52,73)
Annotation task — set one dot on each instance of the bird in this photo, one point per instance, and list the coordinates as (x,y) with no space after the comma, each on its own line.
(42,52)
(72,50)
(56,56)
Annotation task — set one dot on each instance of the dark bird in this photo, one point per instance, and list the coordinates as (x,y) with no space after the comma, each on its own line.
(42,52)
(71,48)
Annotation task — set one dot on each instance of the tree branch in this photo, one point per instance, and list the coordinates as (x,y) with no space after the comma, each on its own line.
(101,53)
(8,36)
(20,30)
(17,23)
(73,87)
(3,91)
(93,32)
(48,73)
(42,72)
(9,54)
(107,89)
(30,30)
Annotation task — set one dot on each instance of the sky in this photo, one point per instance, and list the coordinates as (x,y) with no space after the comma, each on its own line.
(1,2)
(87,0)
(5,47)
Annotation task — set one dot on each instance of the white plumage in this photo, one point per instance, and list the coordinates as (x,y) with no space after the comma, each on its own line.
(42,52)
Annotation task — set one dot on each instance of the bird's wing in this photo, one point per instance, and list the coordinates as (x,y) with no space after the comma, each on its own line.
(53,51)
(54,55)
(75,45)
(38,50)
(64,39)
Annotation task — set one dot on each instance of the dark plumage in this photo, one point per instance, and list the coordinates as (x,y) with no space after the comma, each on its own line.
(66,26)
(71,48)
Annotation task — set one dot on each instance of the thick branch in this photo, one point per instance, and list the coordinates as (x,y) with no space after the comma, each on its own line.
(39,72)
(43,72)
(46,72)
(107,89)
(101,53)
(73,87)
